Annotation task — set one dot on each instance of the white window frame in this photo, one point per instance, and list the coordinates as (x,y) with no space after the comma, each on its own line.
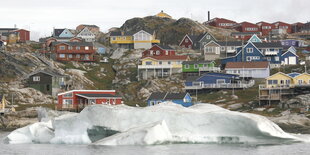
(186,66)
(249,50)
(36,78)
(196,66)
(65,101)
(220,81)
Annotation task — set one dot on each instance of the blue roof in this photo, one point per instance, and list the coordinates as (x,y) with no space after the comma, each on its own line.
(293,74)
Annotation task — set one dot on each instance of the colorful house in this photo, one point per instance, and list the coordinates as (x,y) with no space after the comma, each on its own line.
(87,35)
(196,41)
(183,99)
(76,100)
(221,23)
(159,50)
(289,57)
(73,51)
(247,27)
(138,40)
(255,39)
(265,28)
(24,35)
(144,40)
(210,81)
(297,27)
(280,86)
(258,52)
(93,28)
(290,42)
(259,69)
(197,68)
(46,81)
(162,14)
(284,26)
(62,33)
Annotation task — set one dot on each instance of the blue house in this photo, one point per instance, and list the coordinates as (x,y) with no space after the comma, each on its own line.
(290,42)
(183,99)
(270,52)
(62,33)
(289,57)
(216,81)
(255,39)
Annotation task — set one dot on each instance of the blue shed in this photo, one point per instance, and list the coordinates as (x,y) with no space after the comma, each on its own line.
(183,99)
(289,58)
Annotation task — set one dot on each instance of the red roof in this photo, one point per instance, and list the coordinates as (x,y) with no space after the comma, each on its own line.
(173,57)
(257,64)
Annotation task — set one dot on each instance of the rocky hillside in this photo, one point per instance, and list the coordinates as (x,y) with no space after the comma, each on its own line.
(171,31)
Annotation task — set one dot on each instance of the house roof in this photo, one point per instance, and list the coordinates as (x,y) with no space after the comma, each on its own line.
(230,43)
(244,33)
(175,96)
(119,33)
(97,95)
(73,43)
(157,96)
(268,45)
(164,47)
(45,71)
(166,96)
(57,32)
(173,57)
(294,74)
(196,62)
(253,64)
(8,29)
(90,25)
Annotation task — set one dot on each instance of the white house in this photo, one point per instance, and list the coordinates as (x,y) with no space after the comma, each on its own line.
(143,40)
(251,69)
(87,35)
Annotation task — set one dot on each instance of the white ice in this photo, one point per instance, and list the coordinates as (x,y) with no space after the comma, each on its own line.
(167,122)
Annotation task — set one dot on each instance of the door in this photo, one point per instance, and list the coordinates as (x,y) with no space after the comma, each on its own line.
(292,60)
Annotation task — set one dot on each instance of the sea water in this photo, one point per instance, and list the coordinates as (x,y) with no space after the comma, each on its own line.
(169,149)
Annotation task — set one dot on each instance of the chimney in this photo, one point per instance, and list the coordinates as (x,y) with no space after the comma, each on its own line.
(208,15)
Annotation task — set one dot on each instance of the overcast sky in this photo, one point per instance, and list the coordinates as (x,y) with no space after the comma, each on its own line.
(40,16)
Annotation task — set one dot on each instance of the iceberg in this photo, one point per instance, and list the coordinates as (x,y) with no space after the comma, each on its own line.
(160,124)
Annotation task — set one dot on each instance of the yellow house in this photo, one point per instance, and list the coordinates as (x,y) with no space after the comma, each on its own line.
(163,15)
(278,79)
(121,38)
(302,79)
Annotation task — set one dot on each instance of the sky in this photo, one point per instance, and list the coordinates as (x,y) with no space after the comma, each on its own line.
(41,16)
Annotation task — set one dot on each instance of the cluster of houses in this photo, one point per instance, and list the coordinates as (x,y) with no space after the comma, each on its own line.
(13,35)
(222,65)
(247,29)
(73,44)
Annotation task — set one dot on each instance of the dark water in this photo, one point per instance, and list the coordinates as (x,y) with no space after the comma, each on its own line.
(174,149)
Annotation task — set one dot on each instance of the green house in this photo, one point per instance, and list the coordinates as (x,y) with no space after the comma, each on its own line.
(196,68)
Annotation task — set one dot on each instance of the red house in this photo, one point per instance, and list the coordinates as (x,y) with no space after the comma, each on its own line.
(159,50)
(297,27)
(76,100)
(282,25)
(265,28)
(24,35)
(73,51)
(247,27)
(222,23)
(188,41)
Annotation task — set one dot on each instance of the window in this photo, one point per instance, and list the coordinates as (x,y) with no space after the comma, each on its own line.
(169,62)
(300,82)
(36,78)
(152,103)
(67,101)
(196,66)
(276,58)
(68,95)
(148,63)
(186,40)
(157,52)
(167,52)
(92,101)
(208,37)
(78,56)
(189,46)
(62,47)
(187,66)
(222,48)
(86,57)
(113,38)
(248,58)
(249,50)
(77,47)
(268,58)
(288,82)
(70,56)
(160,62)
(62,55)
(86,48)
(70,47)
(220,81)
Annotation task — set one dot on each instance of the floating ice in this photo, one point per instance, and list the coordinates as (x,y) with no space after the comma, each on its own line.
(163,123)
